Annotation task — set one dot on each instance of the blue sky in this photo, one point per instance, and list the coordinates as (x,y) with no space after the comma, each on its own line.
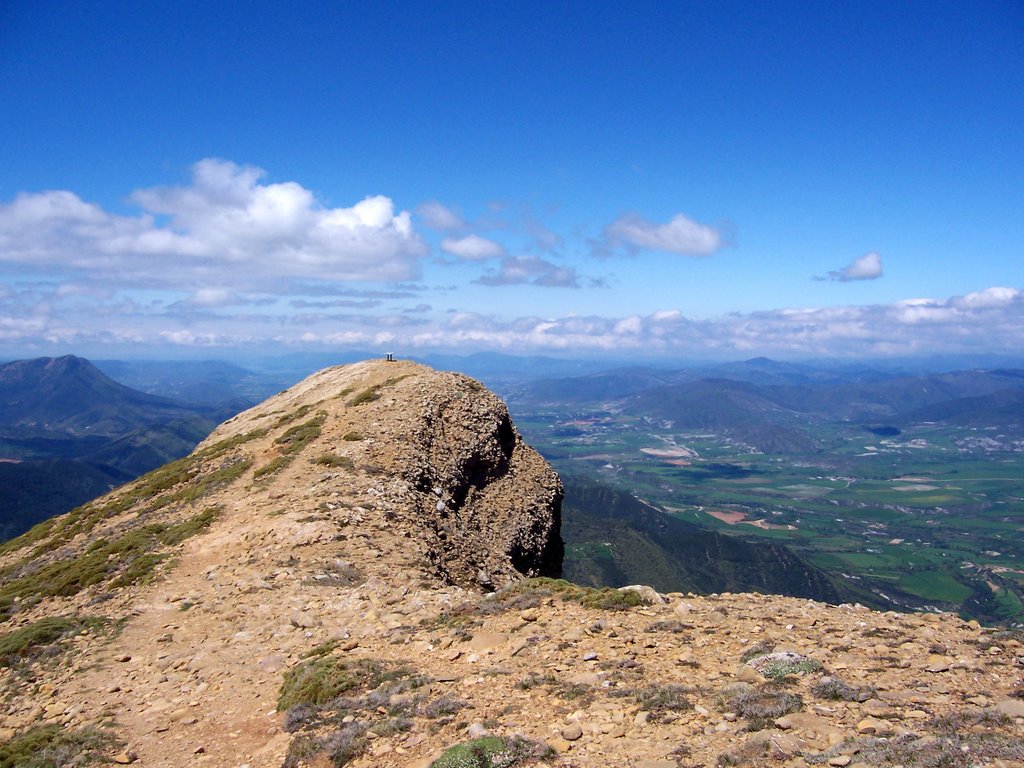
(680,179)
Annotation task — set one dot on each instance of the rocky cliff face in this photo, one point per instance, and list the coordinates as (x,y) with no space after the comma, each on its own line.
(439,463)
(310,588)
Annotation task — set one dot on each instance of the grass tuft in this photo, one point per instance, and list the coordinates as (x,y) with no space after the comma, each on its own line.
(605,599)
(368,395)
(776,665)
(760,706)
(32,639)
(663,698)
(834,689)
(493,752)
(333,460)
(52,746)
(321,680)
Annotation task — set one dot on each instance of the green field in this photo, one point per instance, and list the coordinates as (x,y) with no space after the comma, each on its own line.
(909,522)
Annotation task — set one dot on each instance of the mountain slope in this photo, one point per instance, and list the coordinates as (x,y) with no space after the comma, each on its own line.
(69,396)
(71,433)
(356,482)
(288,595)
(613,539)
(36,490)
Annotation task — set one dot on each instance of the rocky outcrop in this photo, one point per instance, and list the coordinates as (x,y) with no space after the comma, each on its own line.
(486,505)
(449,471)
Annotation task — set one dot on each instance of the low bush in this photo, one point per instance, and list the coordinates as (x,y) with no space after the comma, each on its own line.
(320,680)
(605,598)
(366,396)
(323,692)
(287,418)
(333,460)
(442,707)
(658,699)
(291,443)
(758,649)
(834,689)
(779,664)
(671,625)
(761,706)
(52,746)
(32,639)
(493,752)
(954,750)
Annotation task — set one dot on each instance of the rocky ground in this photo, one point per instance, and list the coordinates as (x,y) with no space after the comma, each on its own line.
(320,619)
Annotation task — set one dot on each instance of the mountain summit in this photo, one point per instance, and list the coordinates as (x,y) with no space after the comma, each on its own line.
(337,577)
(69,395)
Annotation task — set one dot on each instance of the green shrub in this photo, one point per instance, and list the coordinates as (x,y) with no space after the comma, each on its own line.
(52,746)
(353,437)
(605,599)
(298,413)
(31,536)
(366,396)
(333,460)
(291,443)
(26,641)
(370,394)
(272,466)
(492,752)
(321,680)
(296,438)
(222,447)
(663,698)
(777,665)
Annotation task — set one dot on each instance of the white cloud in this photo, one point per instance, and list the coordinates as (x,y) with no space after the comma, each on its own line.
(630,326)
(472,248)
(544,239)
(37,319)
(680,235)
(225,226)
(997,296)
(335,303)
(532,270)
(439,217)
(213,297)
(867,267)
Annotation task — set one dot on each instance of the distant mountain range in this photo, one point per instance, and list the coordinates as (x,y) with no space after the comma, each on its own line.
(69,433)
(770,405)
